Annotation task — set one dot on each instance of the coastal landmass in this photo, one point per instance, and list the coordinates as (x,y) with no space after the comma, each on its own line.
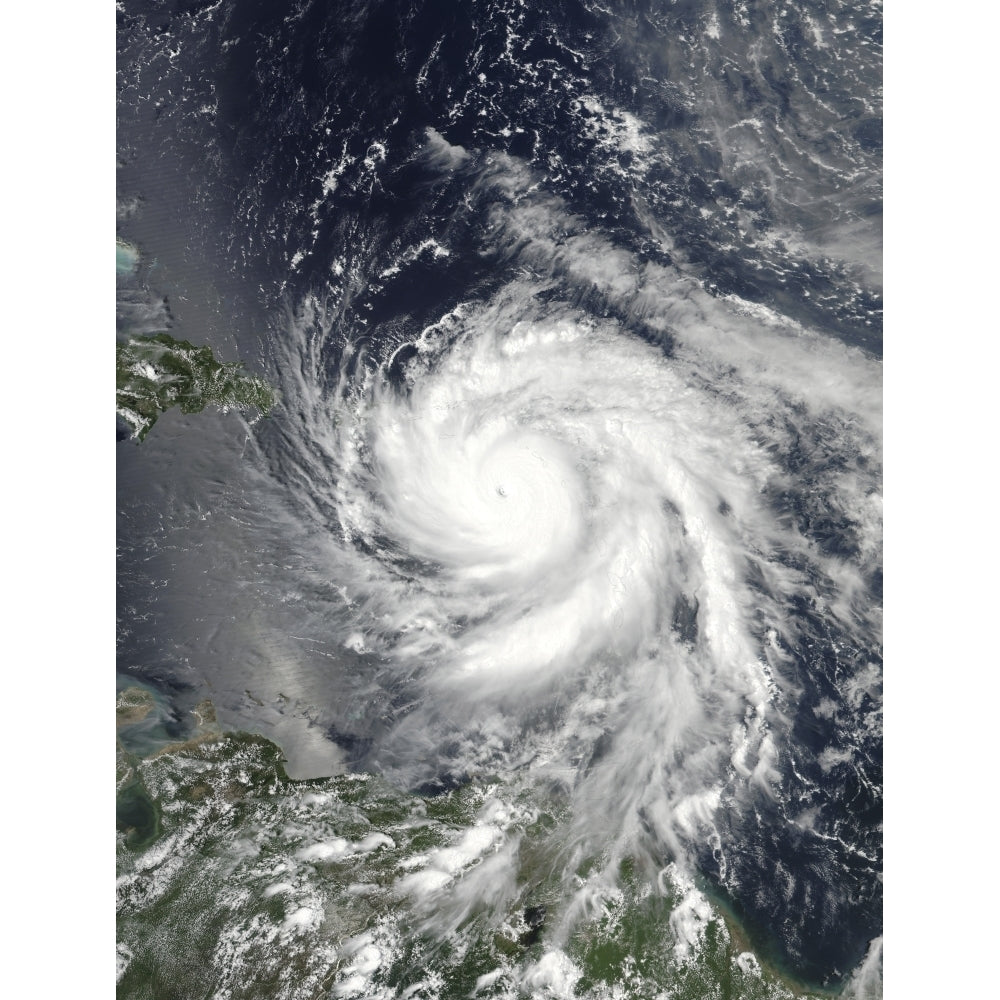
(340,867)
(132,706)
(157,372)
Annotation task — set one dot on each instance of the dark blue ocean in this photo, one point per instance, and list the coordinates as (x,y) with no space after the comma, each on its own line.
(574,315)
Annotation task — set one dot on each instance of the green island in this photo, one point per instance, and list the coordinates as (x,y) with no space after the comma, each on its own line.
(155,373)
(236,881)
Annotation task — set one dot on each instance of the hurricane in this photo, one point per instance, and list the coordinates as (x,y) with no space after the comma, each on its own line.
(555,569)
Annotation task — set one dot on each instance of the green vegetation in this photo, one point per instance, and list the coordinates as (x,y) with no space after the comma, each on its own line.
(137,815)
(236,881)
(155,373)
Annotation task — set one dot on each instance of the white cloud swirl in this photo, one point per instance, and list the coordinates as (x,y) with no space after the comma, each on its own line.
(564,487)
(563,549)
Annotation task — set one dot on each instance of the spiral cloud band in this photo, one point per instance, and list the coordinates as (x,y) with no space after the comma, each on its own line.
(553,576)
(581,559)
(564,486)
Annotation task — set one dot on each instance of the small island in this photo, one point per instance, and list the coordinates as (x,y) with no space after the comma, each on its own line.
(133,705)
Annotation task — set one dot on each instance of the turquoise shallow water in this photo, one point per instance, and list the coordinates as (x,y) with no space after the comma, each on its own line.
(126,258)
